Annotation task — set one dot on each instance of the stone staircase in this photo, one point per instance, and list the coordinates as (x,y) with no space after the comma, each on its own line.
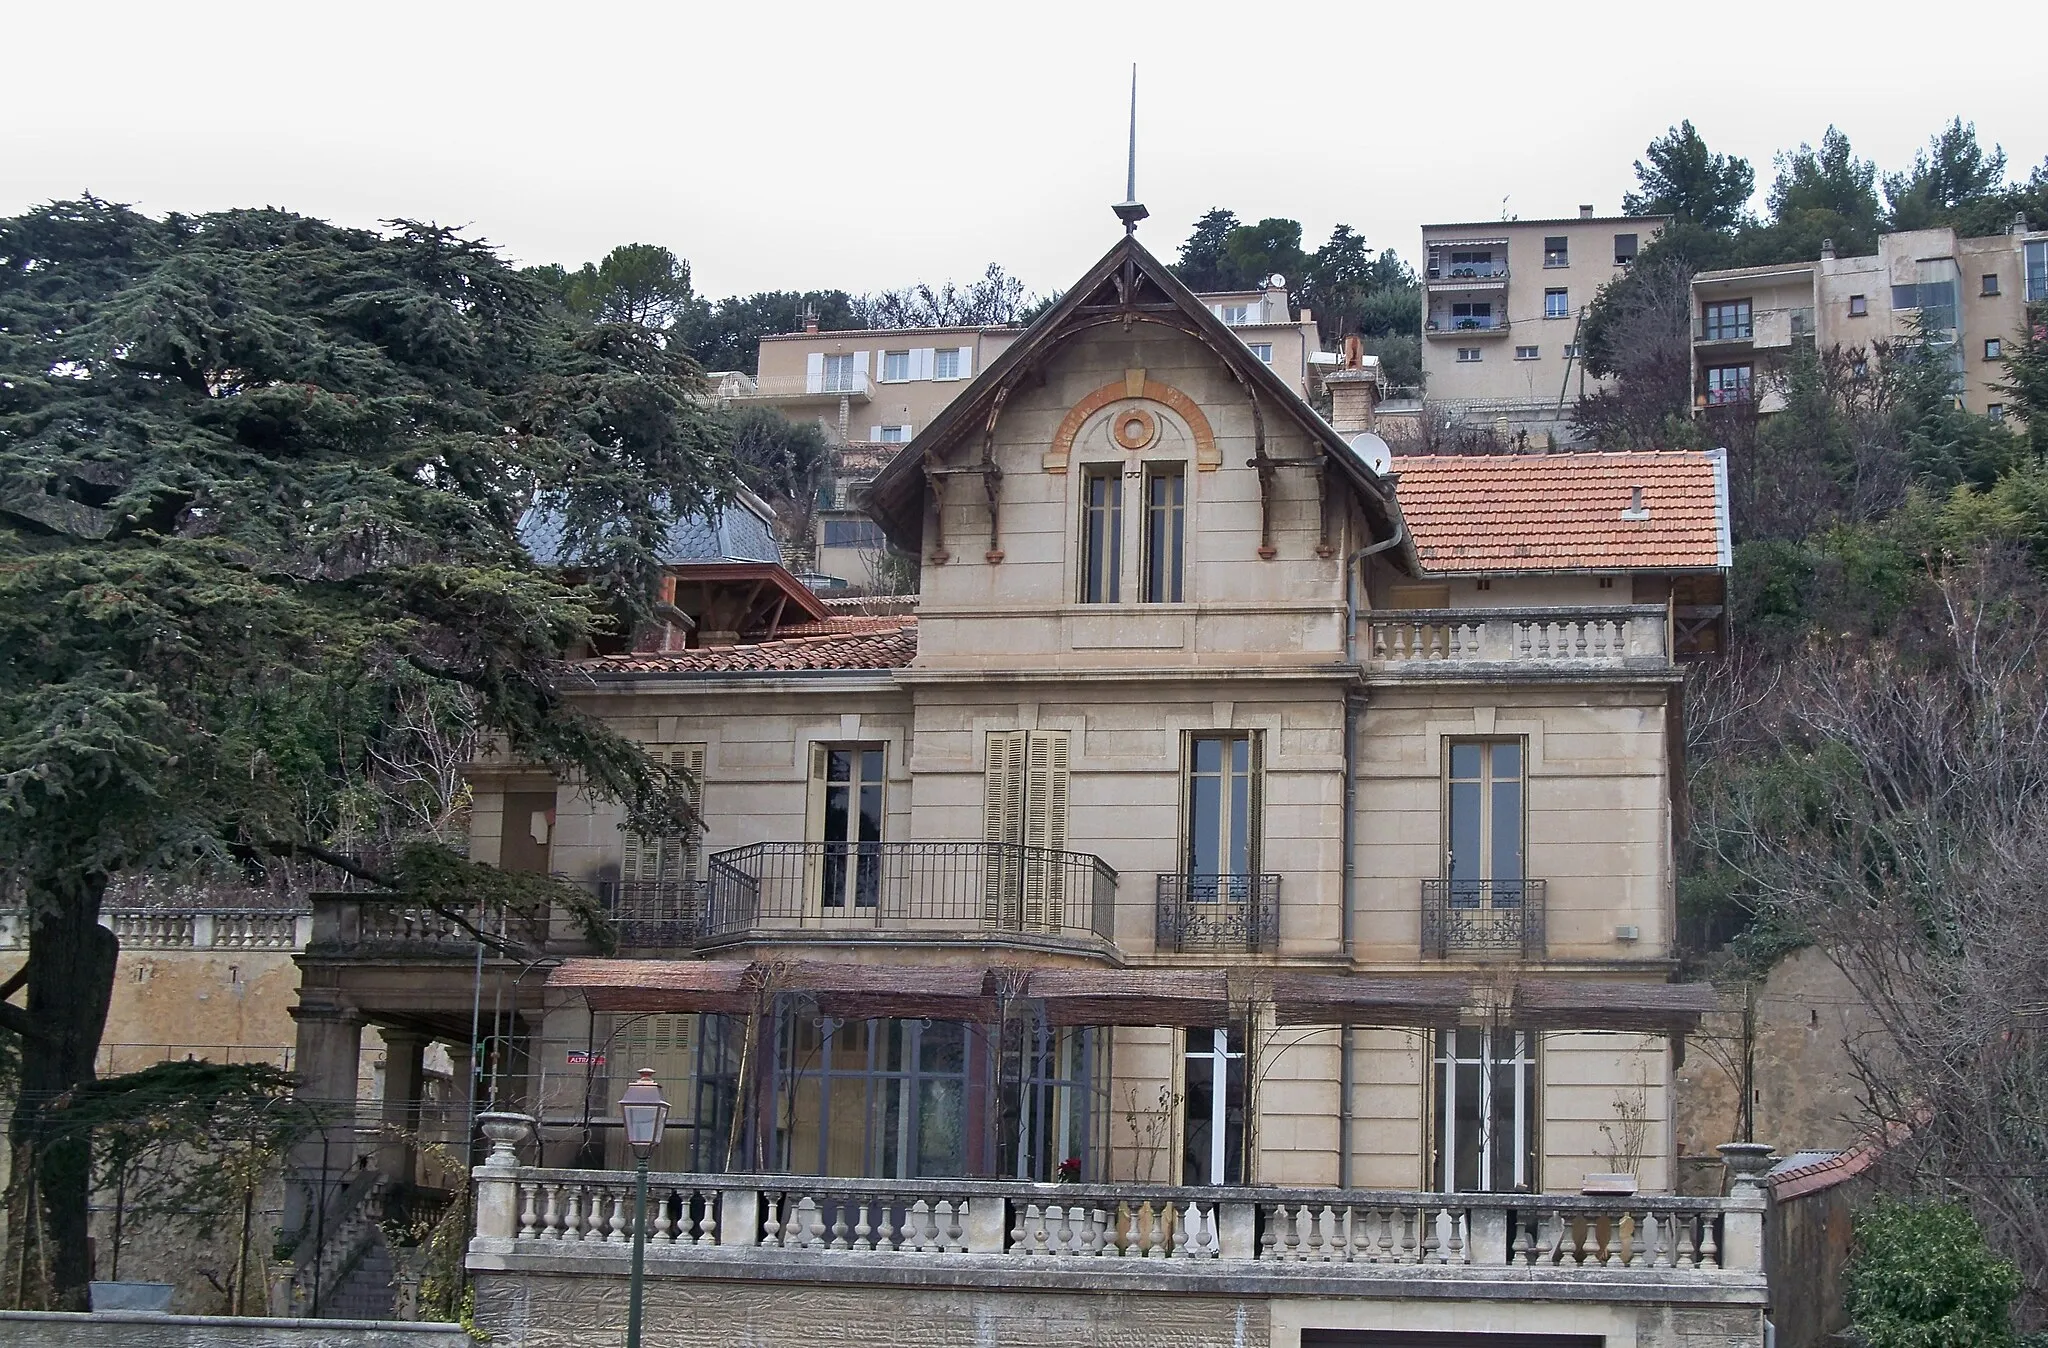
(367,1290)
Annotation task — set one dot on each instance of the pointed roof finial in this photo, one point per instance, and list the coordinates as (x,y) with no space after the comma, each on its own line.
(1130,210)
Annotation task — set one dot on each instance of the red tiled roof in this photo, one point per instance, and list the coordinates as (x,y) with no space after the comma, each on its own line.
(885,641)
(1562,512)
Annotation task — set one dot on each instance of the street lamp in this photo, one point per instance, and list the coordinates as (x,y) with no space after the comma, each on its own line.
(644,1114)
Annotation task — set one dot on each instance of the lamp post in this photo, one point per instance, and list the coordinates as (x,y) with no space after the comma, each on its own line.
(644,1114)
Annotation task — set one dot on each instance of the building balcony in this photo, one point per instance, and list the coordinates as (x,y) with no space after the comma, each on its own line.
(1440,326)
(1219,914)
(779,1227)
(796,390)
(1766,330)
(1468,276)
(1464,919)
(1452,643)
(906,889)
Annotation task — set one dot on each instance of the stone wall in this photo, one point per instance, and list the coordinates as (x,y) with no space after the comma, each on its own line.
(136,1330)
(1031,1308)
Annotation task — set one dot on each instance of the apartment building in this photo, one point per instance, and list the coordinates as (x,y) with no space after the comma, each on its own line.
(1502,304)
(1970,293)
(1227,904)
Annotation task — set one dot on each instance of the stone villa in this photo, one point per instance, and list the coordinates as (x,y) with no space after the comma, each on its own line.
(1231,902)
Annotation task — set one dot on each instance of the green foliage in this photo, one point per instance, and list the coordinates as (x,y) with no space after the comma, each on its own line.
(780,459)
(1827,194)
(2026,378)
(1685,180)
(639,283)
(726,334)
(1922,1276)
(1348,287)
(996,300)
(1953,173)
(1204,259)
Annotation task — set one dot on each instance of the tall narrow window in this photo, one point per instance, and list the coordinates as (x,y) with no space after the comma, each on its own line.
(1165,534)
(1483,861)
(848,783)
(656,899)
(840,374)
(1223,809)
(1212,1129)
(1483,1093)
(1102,537)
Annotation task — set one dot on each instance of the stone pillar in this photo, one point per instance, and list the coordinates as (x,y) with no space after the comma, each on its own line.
(1742,1240)
(497,1179)
(987,1225)
(330,1046)
(1488,1234)
(1237,1231)
(404,1059)
(739,1216)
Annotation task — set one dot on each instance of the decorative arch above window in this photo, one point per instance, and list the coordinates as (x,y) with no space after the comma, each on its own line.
(1134,384)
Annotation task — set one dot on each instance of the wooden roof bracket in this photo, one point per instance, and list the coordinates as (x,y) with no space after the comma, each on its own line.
(931,483)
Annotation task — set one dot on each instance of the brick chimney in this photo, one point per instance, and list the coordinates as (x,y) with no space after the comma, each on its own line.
(1355,388)
(1585,212)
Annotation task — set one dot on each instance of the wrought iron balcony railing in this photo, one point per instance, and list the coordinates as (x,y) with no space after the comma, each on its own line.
(659,913)
(1219,914)
(929,887)
(1482,917)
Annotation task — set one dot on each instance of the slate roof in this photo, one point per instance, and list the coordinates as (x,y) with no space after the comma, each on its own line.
(866,641)
(738,533)
(1565,512)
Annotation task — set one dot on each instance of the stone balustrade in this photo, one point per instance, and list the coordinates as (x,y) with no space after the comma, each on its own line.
(1436,641)
(525,1210)
(170,928)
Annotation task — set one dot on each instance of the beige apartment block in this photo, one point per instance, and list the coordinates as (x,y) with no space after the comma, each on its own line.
(1238,856)
(1501,310)
(1971,294)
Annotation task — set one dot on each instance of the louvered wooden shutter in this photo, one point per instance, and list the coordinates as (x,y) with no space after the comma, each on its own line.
(670,861)
(1255,827)
(814,372)
(1003,823)
(966,370)
(1045,829)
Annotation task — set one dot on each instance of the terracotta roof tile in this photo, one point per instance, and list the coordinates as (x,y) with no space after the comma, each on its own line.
(1562,512)
(883,641)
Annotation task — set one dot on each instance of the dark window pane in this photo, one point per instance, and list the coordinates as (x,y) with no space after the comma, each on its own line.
(1507,759)
(1465,759)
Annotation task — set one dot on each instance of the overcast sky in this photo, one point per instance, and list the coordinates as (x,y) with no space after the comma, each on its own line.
(784,145)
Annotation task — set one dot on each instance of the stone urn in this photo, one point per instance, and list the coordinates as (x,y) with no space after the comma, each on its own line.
(1747,1164)
(506,1131)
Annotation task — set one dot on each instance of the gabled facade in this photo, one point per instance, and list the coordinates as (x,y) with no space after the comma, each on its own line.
(1191,843)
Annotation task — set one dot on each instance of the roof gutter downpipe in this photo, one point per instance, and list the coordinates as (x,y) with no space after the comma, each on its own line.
(1354,706)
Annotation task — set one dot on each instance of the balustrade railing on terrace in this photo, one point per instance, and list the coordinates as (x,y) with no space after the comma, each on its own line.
(1221,914)
(382,921)
(1483,917)
(1612,636)
(934,887)
(540,1211)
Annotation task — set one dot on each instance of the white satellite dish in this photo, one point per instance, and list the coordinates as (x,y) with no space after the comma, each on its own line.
(1277,281)
(1374,451)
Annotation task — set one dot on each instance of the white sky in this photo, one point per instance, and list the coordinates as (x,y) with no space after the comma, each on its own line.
(789,145)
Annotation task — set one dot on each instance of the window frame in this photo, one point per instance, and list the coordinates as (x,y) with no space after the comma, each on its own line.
(1487,824)
(1728,320)
(1557,250)
(1230,811)
(1990,284)
(1101,535)
(1622,259)
(946,364)
(1523,1060)
(1994,348)
(1528,353)
(1716,390)
(1227,1143)
(849,876)
(1468,355)
(1859,306)
(847,381)
(895,360)
(1562,305)
(1168,518)
(897,435)
(1263,350)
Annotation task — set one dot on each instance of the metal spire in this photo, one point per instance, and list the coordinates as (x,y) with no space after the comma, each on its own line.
(1130,210)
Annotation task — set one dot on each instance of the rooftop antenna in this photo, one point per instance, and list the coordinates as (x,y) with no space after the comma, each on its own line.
(1130,210)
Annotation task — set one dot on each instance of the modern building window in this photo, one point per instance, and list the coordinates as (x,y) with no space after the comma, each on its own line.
(840,375)
(1263,350)
(1483,837)
(1485,1107)
(895,366)
(1556,251)
(853,534)
(1624,249)
(893,435)
(1476,264)
(946,363)
(1571,350)
(846,784)
(1993,348)
(1102,536)
(1859,306)
(1468,355)
(1727,384)
(1990,283)
(1234,314)
(1525,353)
(1166,504)
(1557,304)
(1936,301)
(1213,1107)
(1995,411)
(1224,806)
(1472,315)
(1728,320)
(2037,270)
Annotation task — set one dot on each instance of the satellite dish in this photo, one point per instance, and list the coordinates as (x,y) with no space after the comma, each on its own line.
(1374,451)
(1277,281)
